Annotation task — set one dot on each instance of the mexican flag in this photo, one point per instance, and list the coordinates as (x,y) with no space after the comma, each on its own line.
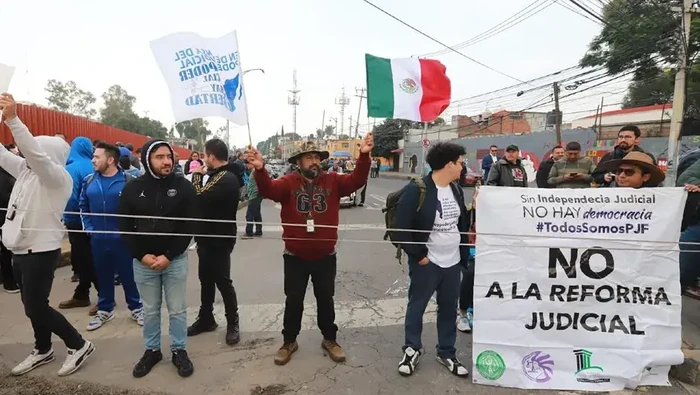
(409,88)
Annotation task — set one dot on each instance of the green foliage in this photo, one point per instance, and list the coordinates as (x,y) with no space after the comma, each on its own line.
(67,97)
(387,135)
(118,111)
(196,129)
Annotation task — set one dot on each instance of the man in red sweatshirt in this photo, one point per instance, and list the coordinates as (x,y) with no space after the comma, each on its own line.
(310,198)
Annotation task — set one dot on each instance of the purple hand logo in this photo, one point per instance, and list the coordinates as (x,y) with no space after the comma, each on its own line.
(538,367)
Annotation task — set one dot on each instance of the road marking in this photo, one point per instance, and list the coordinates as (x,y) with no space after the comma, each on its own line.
(378,197)
(254,318)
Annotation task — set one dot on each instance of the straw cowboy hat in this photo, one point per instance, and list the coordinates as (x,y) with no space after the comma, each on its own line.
(641,160)
(307,148)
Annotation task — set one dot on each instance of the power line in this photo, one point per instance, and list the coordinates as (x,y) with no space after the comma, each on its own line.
(575,11)
(589,12)
(515,19)
(440,42)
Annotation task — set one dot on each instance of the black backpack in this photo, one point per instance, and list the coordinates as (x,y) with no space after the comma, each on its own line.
(390,212)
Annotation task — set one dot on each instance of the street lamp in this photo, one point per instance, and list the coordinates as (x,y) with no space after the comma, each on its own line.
(228,125)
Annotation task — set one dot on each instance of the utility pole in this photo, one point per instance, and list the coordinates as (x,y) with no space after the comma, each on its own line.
(674,135)
(342,101)
(323,128)
(350,126)
(335,119)
(557,117)
(294,102)
(600,120)
(360,92)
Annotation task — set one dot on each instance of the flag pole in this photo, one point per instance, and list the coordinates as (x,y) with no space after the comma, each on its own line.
(245,95)
(423,136)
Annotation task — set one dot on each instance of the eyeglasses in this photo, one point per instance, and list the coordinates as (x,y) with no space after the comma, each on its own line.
(628,172)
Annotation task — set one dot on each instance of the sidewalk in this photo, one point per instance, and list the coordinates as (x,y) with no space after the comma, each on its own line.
(397,175)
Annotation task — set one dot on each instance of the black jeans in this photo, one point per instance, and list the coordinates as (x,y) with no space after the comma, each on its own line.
(253,215)
(466,291)
(36,272)
(424,281)
(296,277)
(362,194)
(215,272)
(81,260)
(8,277)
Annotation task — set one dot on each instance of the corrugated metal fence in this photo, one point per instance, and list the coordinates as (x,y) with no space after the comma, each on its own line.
(44,121)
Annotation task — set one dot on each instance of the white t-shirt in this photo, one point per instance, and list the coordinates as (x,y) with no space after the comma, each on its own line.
(443,248)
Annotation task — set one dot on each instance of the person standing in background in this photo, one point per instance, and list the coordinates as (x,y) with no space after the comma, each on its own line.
(194,157)
(489,160)
(508,171)
(177,167)
(253,213)
(628,139)
(43,184)
(572,171)
(134,159)
(125,163)
(79,166)
(542,175)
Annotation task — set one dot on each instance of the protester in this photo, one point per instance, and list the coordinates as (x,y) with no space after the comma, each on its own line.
(636,170)
(43,185)
(160,262)
(434,267)
(465,314)
(689,177)
(214,200)
(489,160)
(134,159)
(336,168)
(100,195)
(310,197)
(542,176)
(373,168)
(572,171)
(194,157)
(126,164)
(508,171)
(177,167)
(628,140)
(79,166)
(379,165)
(7,182)
(253,215)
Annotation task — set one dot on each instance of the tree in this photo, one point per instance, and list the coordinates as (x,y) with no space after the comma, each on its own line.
(151,128)
(329,130)
(387,135)
(67,97)
(118,110)
(196,129)
(658,90)
(343,137)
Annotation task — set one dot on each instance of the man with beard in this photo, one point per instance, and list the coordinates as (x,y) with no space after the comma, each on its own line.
(628,140)
(160,261)
(215,202)
(101,194)
(310,197)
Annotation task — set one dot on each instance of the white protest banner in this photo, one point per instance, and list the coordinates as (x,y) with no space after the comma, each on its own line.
(6,73)
(554,309)
(203,75)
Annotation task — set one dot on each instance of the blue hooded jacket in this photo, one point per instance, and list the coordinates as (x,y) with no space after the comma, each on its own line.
(79,166)
(102,195)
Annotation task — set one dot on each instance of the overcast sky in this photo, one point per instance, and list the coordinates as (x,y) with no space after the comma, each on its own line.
(98,44)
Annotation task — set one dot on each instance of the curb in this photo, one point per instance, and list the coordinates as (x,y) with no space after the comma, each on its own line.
(398,176)
(65,255)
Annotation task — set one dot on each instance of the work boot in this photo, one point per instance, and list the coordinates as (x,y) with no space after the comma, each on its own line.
(284,354)
(73,303)
(202,325)
(233,332)
(334,350)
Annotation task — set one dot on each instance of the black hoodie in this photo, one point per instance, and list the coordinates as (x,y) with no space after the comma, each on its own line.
(151,195)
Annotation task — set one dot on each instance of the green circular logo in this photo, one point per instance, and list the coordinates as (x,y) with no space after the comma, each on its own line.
(490,365)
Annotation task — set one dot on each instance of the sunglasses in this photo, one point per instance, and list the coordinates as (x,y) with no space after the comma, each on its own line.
(627,172)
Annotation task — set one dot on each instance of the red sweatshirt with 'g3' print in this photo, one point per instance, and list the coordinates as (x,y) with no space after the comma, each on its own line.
(302,199)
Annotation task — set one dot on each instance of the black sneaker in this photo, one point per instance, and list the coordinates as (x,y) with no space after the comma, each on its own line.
(233,333)
(149,359)
(183,363)
(201,326)
(11,288)
(409,361)
(454,366)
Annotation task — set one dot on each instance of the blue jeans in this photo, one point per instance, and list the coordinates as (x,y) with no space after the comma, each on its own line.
(253,215)
(152,284)
(690,256)
(424,281)
(110,256)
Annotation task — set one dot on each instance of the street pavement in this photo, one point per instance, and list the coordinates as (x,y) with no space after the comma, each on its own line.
(371,294)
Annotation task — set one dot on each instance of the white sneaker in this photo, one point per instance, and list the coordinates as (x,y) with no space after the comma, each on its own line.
(137,315)
(33,361)
(409,362)
(76,358)
(463,323)
(101,318)
(454,366)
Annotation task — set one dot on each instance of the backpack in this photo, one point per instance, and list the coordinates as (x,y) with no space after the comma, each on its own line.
(390,212)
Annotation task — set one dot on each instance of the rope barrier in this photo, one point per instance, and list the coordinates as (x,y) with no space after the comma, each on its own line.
(347,227)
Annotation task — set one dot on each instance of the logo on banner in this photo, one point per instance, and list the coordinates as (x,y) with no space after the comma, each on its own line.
(538,367)
(409,85)
(490,365)
(583,364)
